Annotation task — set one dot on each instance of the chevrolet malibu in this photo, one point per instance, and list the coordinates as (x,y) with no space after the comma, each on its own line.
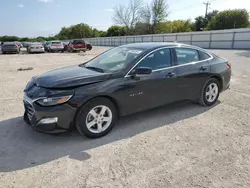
(135,77)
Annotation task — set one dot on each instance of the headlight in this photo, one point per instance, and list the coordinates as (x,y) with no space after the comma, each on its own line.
(51,101)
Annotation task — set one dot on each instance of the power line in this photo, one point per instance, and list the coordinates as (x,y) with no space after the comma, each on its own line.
(207,5)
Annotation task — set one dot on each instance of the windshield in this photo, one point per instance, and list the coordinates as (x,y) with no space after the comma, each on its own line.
(114,59)
(78,42)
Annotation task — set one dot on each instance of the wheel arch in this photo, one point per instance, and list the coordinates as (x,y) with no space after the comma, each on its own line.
(219,78)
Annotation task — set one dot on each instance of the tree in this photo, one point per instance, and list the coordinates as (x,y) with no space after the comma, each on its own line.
(9,38)
(144,27)
(201,22)
(95,33)
(210,15)
(80,31)
(102,33)
(116,31)
(159,12)
(228,19)
(128,15)
(175,26)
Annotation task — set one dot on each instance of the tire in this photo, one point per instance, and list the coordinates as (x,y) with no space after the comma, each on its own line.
(84,115)
(210,92)
(3,52)
(62,51)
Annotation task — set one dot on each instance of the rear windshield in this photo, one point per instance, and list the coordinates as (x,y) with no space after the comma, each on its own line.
(9,44)
(78,42)
(56,43)
(36,45)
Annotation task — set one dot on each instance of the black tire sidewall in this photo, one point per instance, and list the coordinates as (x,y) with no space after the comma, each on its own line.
(83,112)
(203,96)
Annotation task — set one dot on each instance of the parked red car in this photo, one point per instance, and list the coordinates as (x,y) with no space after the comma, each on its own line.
(78,45)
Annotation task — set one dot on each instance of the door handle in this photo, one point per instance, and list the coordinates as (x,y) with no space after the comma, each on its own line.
(170,75)
(203,68)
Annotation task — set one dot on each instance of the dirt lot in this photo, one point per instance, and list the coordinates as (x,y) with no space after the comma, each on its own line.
(181,145)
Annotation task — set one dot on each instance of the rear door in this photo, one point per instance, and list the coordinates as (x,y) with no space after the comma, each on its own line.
(192,71)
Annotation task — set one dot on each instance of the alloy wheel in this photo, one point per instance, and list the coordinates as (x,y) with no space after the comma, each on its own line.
(212,92)
(99,119)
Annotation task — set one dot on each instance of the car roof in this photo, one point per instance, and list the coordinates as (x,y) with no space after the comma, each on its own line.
(153,45)
(9,42)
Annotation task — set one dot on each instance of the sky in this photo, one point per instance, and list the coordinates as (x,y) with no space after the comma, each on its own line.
(34,18)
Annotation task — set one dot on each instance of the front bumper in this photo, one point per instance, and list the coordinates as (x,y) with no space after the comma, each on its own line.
(56,49)
(52,119)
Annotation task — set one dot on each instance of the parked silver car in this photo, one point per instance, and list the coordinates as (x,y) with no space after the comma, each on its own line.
(55,46)
(10,47)
(35,48)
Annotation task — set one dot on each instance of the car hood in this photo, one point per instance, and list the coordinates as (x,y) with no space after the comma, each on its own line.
(70,77)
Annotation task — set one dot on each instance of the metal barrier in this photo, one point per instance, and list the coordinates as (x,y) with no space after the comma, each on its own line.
(225,39)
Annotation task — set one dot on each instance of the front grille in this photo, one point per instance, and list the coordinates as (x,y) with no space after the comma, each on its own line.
(29,110)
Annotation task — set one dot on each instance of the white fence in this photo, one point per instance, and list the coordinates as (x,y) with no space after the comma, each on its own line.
(226,39)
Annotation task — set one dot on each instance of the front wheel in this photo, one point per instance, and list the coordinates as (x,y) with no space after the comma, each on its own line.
(96,118)
(210,92)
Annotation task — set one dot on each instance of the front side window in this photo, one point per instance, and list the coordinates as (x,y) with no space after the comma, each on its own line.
(157,60)
(186,55)
(114,59)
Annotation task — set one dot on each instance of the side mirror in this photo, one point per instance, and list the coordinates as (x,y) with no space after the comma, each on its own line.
(142,71)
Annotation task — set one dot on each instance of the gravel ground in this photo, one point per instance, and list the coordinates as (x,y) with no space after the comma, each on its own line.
(181,145)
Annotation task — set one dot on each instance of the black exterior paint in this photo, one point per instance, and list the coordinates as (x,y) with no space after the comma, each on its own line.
(130,94)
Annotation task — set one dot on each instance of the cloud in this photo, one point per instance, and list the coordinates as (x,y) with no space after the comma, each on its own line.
(45,1)
(109,10)
(20,5)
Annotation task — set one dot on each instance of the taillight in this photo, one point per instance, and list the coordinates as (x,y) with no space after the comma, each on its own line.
(229,64)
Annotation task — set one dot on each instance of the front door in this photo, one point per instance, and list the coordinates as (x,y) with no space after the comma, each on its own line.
(156,89)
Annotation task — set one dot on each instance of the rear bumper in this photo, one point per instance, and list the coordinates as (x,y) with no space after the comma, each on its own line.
(10,50)
(54,119)
(226,76)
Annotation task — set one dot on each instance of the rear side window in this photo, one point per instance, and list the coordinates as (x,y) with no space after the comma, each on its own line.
(203,55)
(186,55)
(157,60)
(78,42)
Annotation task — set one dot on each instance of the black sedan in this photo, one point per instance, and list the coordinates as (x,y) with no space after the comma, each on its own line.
(91,96)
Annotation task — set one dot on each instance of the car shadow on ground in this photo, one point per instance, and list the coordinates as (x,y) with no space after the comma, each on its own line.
(21,147)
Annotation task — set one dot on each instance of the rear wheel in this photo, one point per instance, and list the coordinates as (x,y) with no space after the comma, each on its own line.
(210,92)
(96,118)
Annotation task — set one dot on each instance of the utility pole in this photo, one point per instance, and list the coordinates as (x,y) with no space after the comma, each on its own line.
(207,4)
